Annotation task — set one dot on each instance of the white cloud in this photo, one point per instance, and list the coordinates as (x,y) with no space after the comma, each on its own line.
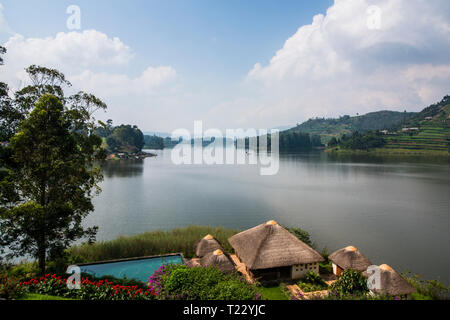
(87,58)
(110,85)
(338,65)
(70,53)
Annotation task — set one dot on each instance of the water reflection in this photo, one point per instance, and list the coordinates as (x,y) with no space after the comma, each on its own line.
(395,211)
(123,168)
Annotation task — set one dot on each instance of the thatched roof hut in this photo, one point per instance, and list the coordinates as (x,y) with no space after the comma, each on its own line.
(218,259)
(350,258)
(207,245)
(269,245)
(392,283)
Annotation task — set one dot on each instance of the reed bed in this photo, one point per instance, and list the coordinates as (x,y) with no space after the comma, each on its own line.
(151,243)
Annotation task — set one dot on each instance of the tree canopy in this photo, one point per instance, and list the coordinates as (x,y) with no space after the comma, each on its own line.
(123,138)
(48,173)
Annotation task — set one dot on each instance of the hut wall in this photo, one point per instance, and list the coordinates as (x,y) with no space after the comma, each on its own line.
(272,273)
(298,271)
(337,270)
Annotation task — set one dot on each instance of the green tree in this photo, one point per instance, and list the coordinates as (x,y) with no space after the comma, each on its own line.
(125,138)
(333,142)
(153,142)
(48,172)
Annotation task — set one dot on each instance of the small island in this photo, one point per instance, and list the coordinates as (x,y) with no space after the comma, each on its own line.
(124,142)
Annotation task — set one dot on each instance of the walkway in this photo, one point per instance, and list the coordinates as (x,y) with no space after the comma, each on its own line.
(241,268)
(298,294)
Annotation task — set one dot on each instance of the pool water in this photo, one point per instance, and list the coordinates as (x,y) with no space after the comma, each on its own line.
(137,269)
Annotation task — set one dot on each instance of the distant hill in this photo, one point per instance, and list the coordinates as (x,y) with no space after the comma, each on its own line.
(336,127)
(426,130)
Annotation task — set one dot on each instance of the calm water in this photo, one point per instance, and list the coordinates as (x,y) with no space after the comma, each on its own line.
(395,212)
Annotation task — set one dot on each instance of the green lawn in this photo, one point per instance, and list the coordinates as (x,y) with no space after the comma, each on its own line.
(33,296)
(272,293)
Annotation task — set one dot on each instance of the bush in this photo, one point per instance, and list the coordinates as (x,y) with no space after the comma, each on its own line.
(312,282)
(326,268)
(9,288)
(351,282)
(428,289)
(179,282)
(23,270)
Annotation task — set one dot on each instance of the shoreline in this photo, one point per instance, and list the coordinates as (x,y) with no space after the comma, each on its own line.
(390,152)
(130,156)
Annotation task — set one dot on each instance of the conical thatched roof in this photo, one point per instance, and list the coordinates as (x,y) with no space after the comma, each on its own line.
(207,245)
(350,258)
(218,259)
(269,245)
(393,283)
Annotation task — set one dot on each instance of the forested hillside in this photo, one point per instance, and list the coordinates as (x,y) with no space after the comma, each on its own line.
(327,128)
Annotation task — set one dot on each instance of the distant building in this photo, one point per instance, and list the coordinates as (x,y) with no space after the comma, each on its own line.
(207,245)
(218,259)
(270,252)
(410,129)
(348,258)
(429,118)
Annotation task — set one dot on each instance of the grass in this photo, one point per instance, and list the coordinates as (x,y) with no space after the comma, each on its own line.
(150,243)
(35,296)
(272,293)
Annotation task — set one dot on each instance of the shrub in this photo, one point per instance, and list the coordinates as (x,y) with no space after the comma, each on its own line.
(312,282)
(23,270)
(351,282)
(9,288)
(179,282)
(428,289)
(326,268)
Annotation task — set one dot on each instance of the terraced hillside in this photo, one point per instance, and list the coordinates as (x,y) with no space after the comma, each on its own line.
(328,128)
(433,133)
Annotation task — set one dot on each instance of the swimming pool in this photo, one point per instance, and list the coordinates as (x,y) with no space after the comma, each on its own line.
(136,268)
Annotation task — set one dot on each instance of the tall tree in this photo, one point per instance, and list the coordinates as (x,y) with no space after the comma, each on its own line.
(49,178)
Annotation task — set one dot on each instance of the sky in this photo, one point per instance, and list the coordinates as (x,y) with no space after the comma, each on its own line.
(162,65)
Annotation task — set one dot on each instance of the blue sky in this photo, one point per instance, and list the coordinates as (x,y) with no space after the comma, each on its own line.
(209,42)
(202,57)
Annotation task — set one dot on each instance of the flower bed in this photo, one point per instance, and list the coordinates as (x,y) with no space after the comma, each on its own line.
(90,289)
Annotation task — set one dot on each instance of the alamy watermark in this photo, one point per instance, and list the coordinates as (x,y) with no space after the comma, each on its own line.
(374,279)
(74,20)
(236,146)
(74,281)
(374,18)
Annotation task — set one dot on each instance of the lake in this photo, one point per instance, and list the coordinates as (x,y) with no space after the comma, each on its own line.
(395,212)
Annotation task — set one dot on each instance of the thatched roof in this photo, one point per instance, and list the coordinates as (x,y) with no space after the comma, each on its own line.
(350,258)
(207,245)
(392,282)
(269,245)
(218,259)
